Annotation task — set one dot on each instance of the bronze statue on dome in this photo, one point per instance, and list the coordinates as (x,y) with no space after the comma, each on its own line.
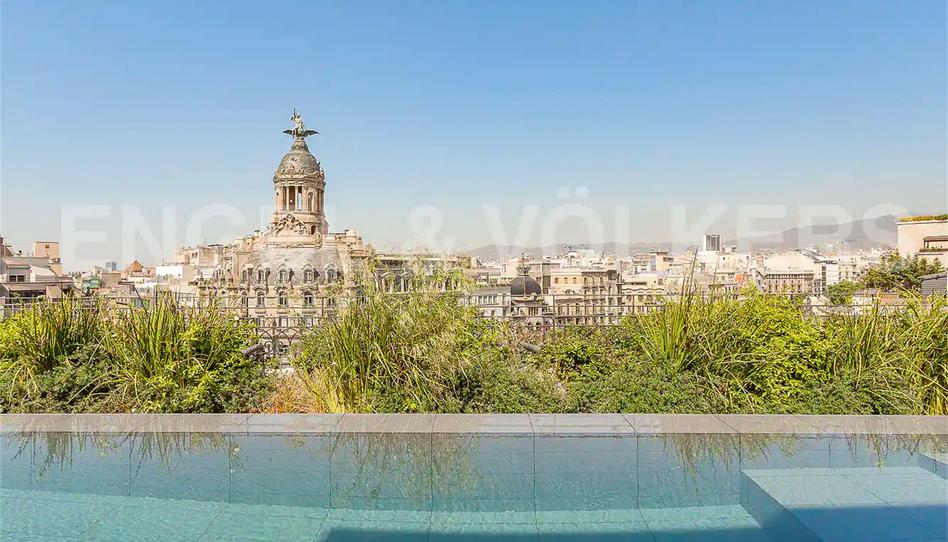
(299,129)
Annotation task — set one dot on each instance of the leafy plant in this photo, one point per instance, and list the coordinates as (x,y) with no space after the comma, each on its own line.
(75,357)
(46,334)
(842,292)
(389,351)
(897,273)
(170,359)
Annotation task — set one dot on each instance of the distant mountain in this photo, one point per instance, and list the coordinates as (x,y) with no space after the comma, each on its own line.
(861,234)
(498,252)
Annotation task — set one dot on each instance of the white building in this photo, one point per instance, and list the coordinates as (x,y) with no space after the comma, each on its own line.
(711,243)
(924,237)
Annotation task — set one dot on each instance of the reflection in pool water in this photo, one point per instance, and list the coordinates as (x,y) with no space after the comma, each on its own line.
(696,487)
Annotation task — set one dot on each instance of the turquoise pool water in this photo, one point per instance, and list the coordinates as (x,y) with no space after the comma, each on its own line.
(408,487)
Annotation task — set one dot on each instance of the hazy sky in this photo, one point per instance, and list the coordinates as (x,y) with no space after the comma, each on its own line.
(460,105)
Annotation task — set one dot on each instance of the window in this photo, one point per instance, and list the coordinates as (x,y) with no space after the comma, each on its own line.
(307,275)
(284,275)
(261,276)
(308,299)
(282,298)
(261,300)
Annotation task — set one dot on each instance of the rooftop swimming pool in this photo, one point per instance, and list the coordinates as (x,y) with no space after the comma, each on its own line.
(480,478)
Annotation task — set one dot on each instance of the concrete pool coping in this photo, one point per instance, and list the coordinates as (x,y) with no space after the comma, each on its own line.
(516,424)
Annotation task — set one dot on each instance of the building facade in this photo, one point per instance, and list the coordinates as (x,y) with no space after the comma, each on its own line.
(26,277)
(280,277)
(924,237)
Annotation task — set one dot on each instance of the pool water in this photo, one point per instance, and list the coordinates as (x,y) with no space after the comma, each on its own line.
(477,487)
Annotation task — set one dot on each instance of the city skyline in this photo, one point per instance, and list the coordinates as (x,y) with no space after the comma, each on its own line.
(648,107)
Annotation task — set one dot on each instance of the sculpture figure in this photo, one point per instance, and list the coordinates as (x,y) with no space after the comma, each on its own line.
(299,130)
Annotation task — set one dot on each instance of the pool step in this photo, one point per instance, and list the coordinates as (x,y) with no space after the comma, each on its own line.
(848,505)
(934,462)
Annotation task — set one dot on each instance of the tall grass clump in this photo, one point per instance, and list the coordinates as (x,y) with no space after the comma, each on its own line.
(746,351)
(44,336)
(898,358)
(420,351)
(700,353)
(171,359)
(926,325)
(868,352)
(70,356)
(761,353)
(386,351)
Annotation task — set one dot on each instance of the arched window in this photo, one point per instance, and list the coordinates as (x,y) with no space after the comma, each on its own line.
(307,275)
(330,273)
(308,299)
(282,298)
(261,299)
(284,275)
(261,275)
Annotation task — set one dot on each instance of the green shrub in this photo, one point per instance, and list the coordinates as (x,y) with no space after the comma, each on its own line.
(842,292)
(391,352)
(501,381)
(897,273)
(632,386)
(169,359)
(43,336)
(566,351)
(922,218)
(898,359)
(926,327)
(78,384)
(63,356)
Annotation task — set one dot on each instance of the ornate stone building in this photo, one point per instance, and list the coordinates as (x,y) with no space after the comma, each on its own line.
(300,185)
(281,275)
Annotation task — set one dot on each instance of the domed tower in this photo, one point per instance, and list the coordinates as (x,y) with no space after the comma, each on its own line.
(300,184)
(523,285)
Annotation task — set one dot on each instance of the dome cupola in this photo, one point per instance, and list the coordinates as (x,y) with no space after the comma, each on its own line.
(297,163)
(300,185)
(523,285)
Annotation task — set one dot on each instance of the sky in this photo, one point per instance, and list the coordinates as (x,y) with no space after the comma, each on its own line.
(465,123)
